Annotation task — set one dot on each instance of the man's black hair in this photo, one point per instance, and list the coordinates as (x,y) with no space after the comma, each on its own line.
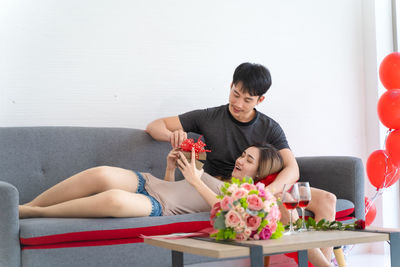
(255,78)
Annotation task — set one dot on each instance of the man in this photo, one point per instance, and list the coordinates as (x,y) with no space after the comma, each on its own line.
(229,129)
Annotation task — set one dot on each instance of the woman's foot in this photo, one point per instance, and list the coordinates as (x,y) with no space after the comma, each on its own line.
(26,211)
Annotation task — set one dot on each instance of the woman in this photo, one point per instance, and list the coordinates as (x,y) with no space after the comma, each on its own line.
(115,192)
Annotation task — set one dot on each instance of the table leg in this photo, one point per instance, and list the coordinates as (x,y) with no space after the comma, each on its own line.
(394,248)
(256,256)
(303,258)
(177,258)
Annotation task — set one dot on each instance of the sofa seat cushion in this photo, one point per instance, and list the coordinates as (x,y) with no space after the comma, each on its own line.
(40,233)
(344,208)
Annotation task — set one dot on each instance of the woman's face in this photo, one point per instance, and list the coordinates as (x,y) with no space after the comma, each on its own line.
(247,163)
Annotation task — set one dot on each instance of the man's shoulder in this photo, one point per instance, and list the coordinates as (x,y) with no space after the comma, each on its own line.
(263,118)
(210,109)
(211,112)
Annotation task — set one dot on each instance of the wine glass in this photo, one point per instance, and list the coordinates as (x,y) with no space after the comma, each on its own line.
(290,199)
(304,199)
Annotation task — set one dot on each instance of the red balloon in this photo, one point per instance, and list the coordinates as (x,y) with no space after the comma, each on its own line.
(389,71)
(389,109)
(393,147)
(381,171)
(371,213)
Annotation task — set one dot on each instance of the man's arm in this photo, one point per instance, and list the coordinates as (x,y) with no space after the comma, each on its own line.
(167,129)
(288,175)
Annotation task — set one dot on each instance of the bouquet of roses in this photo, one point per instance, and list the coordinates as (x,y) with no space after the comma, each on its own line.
(246,211)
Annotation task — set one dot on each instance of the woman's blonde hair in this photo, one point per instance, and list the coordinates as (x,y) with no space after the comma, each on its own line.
(270,161)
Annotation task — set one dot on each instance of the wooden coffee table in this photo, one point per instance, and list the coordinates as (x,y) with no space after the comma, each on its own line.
(257,249)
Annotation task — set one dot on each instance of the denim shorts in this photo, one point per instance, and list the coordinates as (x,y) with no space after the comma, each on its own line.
(156,209)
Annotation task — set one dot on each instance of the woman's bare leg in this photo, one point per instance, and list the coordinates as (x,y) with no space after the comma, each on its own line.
(323,205)
(87,183)
(111,203)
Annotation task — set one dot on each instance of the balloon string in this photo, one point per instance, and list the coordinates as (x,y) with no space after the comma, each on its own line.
(378,193)
(385,182)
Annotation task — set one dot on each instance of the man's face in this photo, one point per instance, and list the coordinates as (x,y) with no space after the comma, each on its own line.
(241,104)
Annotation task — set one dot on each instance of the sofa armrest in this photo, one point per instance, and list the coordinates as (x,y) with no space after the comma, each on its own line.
(342,176)
(10,250)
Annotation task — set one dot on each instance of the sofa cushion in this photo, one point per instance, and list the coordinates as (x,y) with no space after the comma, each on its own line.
(39,233)
(344,208)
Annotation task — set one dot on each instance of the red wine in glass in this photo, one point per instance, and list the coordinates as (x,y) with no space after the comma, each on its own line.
(305,197)
(303,203)
(290,205)
(290,199)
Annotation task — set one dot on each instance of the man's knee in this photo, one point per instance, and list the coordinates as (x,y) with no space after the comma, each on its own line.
(330,199)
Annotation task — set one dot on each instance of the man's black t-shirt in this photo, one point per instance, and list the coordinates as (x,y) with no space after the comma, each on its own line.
(227,138)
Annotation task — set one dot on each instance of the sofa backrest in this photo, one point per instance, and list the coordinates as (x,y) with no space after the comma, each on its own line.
(35,158)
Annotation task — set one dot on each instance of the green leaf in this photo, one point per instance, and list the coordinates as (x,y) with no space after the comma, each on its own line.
(235,181)
(262,225)
(279,231)
(220,235)
(311,222)
(253,192)
(320,223)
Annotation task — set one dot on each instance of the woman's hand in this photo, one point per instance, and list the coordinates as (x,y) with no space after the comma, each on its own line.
(172,158)
(188,169)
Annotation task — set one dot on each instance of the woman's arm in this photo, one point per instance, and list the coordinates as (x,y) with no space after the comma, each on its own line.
(193,176)
(171,165)
(288,175)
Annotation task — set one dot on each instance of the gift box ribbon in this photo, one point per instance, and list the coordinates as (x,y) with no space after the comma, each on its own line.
(189,144)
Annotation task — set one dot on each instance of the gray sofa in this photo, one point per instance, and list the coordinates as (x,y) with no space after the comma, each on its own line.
(33,159)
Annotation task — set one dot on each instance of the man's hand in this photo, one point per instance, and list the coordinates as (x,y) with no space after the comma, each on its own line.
(188,169)
(177,137)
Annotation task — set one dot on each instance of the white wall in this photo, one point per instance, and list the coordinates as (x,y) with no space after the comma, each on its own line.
(125,63)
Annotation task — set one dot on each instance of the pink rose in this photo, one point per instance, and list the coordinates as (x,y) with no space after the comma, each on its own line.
(240,237)
(254,202)
(265,233)
(248,186)
(240,193)
(253,222)
(256,236)
(261,193)
(272,226)
(238,229)
(214,210)
(226,203)
(247,232)
(260,186)
(274,214)
(267,205)
(232,219)
(232,188)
